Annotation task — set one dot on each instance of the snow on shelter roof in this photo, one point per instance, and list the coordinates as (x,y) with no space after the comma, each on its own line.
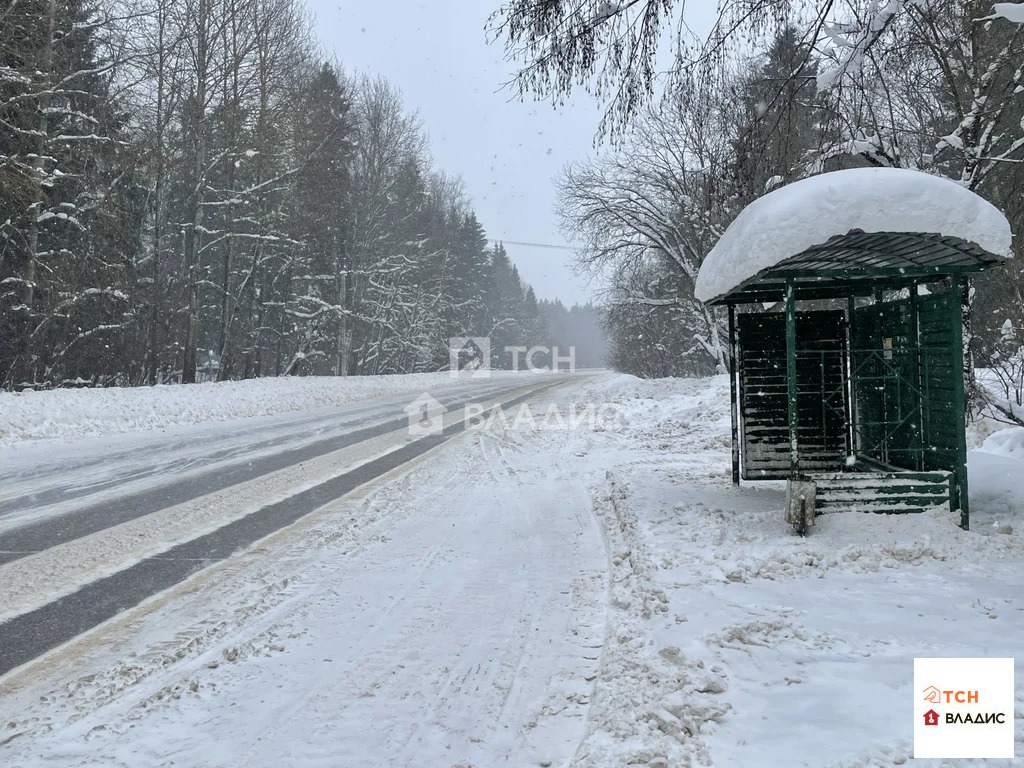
(808,213)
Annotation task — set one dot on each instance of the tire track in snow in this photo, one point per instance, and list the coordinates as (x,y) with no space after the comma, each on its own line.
(670,696)
(570,692)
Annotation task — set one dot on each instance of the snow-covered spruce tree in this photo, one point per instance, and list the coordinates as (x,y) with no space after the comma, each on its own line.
(508,324)
(776,119)
(469,278)
(323,140)
(68,202)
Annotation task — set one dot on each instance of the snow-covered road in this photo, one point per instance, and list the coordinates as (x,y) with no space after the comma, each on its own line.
(463,629)
(589,597)
(43,478)
(170,505)
(453,615)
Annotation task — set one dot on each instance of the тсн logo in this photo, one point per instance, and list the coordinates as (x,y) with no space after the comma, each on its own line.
(935,696)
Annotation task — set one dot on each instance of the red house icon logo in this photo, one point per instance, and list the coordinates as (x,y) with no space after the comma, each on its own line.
(931,717)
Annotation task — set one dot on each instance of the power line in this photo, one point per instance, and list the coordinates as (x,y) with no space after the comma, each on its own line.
(537,245)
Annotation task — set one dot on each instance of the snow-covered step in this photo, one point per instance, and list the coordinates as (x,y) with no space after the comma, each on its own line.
(889,492)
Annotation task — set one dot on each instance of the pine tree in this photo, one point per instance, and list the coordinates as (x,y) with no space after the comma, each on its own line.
(68,232)
(323,147)
(777,121)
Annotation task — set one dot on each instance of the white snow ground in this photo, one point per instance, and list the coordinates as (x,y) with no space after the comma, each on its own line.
(595,597)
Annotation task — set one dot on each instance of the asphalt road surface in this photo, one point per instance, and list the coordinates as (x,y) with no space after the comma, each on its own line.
(80,532)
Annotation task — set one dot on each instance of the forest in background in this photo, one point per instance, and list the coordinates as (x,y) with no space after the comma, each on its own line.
(698,127)
(192,190)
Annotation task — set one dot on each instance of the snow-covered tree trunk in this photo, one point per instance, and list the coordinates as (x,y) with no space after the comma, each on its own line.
(202,17)
(27,374)
(342,341)
(162,75)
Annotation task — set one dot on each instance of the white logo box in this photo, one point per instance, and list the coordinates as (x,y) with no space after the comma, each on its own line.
(974,702)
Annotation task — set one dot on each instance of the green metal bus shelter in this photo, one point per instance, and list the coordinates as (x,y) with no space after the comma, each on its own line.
(847,364)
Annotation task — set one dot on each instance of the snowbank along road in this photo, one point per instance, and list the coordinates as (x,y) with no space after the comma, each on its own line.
(594,597)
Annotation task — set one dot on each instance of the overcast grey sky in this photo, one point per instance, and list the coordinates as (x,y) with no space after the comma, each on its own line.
(506,151)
